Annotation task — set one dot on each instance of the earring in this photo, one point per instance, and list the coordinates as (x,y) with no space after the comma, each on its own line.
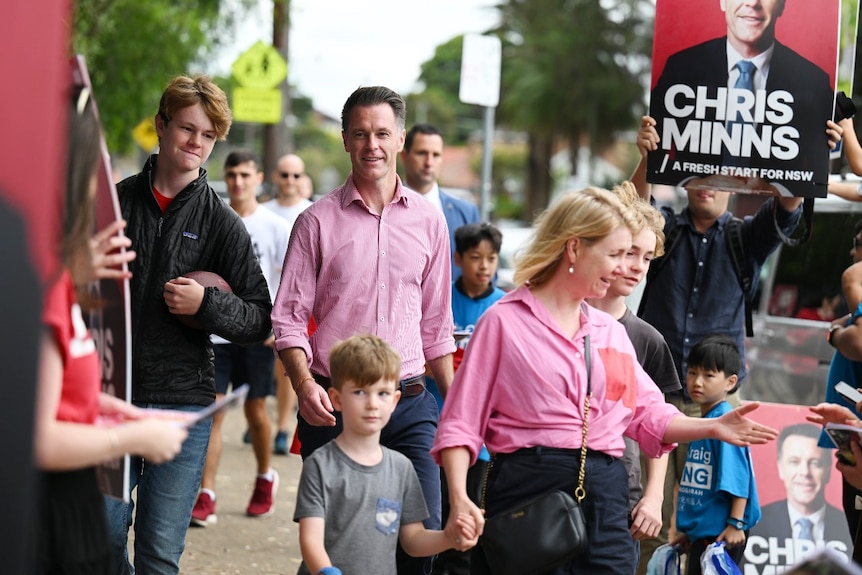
(572,269)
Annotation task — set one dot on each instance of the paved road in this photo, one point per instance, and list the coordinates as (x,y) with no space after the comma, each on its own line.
(237,544)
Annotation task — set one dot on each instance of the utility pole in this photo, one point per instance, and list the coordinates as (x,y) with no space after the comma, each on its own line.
(278,138)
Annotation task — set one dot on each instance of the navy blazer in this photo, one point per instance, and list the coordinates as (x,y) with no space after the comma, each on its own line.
(458,213)
(706,65)
(775,522)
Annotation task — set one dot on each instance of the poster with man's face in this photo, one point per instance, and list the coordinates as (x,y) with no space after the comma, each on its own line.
(800,495)
(741,93)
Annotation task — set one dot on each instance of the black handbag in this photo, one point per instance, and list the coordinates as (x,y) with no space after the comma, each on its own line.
(546,532)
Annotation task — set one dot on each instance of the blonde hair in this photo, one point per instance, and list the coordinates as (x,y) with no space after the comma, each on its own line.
(650,217)
(183,92)
(590,214)
(364,360)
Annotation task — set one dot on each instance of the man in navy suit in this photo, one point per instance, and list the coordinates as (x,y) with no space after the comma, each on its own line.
(422,157)
(803,521)
(750,85)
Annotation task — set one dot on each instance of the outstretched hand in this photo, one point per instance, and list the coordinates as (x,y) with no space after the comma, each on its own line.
(832,413)
(733,427)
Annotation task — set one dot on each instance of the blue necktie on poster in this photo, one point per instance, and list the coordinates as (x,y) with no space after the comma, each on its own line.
(745,80)
(806,529)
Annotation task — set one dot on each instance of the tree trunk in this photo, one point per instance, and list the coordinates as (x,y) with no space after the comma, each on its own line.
(538,193)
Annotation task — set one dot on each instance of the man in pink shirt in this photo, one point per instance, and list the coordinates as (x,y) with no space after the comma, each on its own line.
(370,257)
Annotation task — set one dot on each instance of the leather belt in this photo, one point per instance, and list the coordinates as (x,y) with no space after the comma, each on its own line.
(409,387)
(412,386)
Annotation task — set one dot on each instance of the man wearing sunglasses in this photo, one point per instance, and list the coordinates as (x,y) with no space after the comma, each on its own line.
(288,178)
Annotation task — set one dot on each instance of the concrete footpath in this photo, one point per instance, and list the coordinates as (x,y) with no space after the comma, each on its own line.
(238,544)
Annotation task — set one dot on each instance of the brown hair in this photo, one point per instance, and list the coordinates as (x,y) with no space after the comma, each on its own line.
(82,161)
(183,92)
(650,216)
(363,360)
(372,96)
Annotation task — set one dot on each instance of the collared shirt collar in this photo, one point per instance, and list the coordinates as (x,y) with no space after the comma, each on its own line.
(761,62)
(350,193)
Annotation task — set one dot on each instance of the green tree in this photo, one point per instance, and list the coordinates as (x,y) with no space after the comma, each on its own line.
(574,72)
(133,48)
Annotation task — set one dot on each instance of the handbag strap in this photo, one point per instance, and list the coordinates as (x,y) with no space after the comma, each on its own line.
(579,491)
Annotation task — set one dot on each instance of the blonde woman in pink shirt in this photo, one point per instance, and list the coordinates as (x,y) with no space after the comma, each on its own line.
(523,380)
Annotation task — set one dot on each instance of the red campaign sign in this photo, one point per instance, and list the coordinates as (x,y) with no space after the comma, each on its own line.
(802,483)
(110,322)
(741,93)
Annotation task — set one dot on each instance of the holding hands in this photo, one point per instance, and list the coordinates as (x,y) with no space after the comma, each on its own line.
(466,523)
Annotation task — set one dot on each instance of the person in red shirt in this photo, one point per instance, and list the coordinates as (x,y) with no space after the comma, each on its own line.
(72,528)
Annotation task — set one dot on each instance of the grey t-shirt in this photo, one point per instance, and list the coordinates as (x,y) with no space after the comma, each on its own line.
(363,507)
(655,357)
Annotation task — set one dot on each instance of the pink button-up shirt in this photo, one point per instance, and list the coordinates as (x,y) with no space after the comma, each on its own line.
(359,272)
(522,383)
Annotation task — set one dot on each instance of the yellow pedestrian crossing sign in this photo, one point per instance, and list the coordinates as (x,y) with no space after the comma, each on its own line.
(256,105)
(145,135)
(261,66)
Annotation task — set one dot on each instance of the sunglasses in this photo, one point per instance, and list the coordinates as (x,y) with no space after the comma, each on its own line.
(288,174)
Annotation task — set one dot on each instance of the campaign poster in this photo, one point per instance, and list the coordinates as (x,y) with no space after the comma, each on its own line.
(109,321)
(741,93)
(800,495)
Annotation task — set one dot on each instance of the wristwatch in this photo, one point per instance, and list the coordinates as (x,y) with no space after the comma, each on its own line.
(831,333)
(736,523)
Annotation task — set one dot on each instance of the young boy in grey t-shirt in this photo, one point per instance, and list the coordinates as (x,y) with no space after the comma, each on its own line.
(356,498)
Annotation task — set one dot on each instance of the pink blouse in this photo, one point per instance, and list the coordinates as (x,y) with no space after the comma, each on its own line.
(522,384)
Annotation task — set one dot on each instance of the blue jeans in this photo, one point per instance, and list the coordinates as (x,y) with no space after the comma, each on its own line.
(166,495)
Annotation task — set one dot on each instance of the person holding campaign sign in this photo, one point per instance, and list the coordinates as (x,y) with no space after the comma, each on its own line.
(744,111)
(71,435)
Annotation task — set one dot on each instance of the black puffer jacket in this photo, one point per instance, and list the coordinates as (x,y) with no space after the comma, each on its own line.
(172,363)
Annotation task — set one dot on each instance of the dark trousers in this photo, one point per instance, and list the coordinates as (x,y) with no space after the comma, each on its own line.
(527,473)
(410,431)
(451,561)
(698,547)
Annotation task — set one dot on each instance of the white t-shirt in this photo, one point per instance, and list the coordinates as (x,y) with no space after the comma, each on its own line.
(269,236)
(289,213)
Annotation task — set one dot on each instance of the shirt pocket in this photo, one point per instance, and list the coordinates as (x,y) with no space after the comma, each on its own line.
(387,517)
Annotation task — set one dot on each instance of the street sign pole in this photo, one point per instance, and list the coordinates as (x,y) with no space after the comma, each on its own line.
(480,84)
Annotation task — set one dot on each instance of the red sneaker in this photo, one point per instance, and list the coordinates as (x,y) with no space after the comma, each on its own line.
(203,513)
(262,500)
